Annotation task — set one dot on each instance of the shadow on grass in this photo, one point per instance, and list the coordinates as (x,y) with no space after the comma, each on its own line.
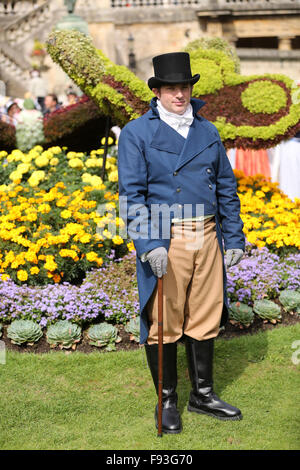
(231,358)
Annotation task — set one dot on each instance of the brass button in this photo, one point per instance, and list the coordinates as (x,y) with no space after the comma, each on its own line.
(178,190)
(210,186)
(208,170)
(175,173)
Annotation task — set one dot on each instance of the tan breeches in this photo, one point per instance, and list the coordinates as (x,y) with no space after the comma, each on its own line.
(192,287)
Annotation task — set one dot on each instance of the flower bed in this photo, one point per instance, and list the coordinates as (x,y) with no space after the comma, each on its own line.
(51,226)
(270,218)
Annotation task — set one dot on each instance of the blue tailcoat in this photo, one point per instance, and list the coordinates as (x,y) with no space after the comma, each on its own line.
(158,166)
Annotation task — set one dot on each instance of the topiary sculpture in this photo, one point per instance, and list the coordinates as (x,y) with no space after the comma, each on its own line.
(233,102)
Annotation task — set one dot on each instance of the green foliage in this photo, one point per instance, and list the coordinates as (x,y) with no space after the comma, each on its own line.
(63,334)
(113,102)
(290,299)
(217,44)
(133,327)
(103,335)
(264,97)
(24,331)
(122,74)
(267,310)
(241,313)
(75,51)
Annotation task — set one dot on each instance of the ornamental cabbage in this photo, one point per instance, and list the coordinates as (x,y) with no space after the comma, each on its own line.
(241,313)
(63,334)
(133,327)
(103,335)
(24,331)
(290,299)
(267,310)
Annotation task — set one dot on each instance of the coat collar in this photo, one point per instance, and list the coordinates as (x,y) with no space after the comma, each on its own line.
(199,137)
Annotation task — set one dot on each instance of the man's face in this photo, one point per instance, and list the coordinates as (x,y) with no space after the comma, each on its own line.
(49,101)
(175,98)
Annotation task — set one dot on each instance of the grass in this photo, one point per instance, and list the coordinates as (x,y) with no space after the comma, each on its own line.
(106,400)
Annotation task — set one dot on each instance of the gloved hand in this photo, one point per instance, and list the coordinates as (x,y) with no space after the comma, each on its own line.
(158,259)
(233,257)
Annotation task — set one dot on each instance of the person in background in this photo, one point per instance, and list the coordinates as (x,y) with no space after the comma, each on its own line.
(12,109)
(51,103)
(72,97)
(37,88)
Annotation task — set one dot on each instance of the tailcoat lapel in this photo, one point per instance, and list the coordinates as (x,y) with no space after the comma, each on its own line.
(198,139)
(167,139)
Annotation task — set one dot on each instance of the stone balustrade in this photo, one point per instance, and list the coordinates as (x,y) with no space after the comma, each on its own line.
(18,31)
(10,67)
(18,7)
(207,4)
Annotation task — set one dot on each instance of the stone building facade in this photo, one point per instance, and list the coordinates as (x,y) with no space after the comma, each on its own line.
(266,33)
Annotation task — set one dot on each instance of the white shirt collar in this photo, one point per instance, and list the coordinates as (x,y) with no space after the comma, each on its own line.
(179,122)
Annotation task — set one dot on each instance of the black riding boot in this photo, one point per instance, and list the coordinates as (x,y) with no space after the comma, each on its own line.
(171,423)
(202,397)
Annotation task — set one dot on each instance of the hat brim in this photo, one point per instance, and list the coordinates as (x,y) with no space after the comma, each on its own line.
(156,82)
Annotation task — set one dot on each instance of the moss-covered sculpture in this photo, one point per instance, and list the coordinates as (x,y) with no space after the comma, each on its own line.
(233,101)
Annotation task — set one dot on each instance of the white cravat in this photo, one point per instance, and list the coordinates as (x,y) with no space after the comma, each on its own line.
(179,122)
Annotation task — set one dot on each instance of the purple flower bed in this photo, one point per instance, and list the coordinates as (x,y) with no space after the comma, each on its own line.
(262,274)
(55,302)
(110,293)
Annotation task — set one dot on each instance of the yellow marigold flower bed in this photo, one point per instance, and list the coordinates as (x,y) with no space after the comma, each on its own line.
(270,218)
(54,235)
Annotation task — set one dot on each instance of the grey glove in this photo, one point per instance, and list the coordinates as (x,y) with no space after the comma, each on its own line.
(158,259)
(233,257)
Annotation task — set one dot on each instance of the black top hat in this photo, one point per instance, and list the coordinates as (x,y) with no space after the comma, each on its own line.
(173,67)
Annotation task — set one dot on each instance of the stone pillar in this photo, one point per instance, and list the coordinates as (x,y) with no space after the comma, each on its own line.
(214,28)
(285,43)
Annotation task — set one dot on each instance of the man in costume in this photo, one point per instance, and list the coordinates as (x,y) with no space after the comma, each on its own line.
(172,157)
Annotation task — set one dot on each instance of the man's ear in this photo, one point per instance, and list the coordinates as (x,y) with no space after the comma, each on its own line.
(156,91)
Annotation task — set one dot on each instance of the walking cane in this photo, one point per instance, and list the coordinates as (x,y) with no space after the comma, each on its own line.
(160,354)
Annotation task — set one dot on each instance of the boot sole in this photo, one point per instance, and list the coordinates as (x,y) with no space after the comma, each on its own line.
(222,418)
(167,431)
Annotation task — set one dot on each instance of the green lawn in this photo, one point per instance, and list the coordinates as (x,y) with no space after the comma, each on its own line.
(107,400)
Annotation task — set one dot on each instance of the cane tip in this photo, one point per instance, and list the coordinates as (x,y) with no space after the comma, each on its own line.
(159,435)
